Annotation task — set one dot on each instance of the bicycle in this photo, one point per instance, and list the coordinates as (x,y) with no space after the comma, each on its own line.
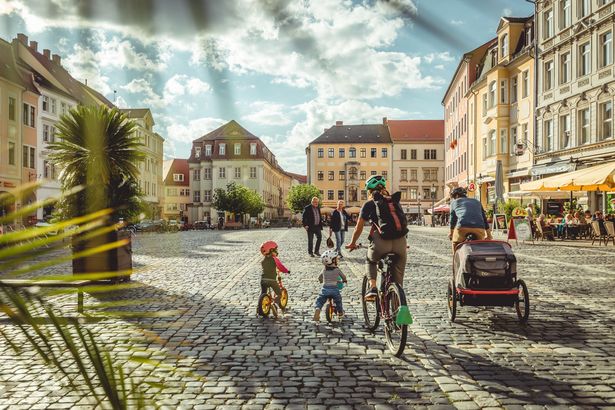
(390,305)
(267,301)
(330,307)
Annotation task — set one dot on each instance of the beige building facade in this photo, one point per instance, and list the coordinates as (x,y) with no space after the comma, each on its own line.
(176,189)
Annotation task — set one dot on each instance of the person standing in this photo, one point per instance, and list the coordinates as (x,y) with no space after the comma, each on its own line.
(312,222)
(339,226)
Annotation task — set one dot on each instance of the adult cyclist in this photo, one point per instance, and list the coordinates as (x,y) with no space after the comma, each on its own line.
(387,235)
(467,217)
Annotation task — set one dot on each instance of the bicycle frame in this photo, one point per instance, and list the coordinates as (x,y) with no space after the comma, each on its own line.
(386,280)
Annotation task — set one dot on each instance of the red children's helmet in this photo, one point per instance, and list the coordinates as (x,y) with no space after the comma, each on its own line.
(268,246)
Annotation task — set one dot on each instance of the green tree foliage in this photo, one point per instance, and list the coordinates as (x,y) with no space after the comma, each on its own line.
(300,196)
(98,153)
(508,206)
(238,199)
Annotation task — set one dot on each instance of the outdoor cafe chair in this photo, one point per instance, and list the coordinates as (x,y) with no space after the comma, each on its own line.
(610,232)
(598,235)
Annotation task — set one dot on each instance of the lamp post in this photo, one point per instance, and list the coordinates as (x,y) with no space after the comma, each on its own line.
(433,200)
(420,221)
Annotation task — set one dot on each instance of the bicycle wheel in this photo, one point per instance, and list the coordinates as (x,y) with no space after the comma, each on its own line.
(264,305)
(371,310)
(283,298)
(329,312)
(451,297)
(396,335)
(522,304)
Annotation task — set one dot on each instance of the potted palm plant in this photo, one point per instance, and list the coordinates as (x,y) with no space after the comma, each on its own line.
(97,152)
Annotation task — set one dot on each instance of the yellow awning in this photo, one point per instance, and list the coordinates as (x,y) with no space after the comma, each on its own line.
(597,178)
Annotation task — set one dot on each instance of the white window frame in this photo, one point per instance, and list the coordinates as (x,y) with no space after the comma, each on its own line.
(197,152)
(492,142)
(585,59)
(525,84)
(584,126)
(548,24)
(565,68)
(565,141)
(504,46)
(503,149)
(514,88)
(565,16)
(605,120)
(207,173)
(208,150)
(222,149)
(606,49)
(222,173)
(178,177)
(252,172)
(237,172)
(548,136)
(503,92)
(548,75)
(513,139)
(583,8)
(493,89)
(237,149)
(253,148)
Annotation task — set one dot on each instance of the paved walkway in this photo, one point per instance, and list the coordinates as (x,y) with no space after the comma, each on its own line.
(564,356)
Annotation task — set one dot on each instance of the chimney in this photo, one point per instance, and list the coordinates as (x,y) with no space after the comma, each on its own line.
(339,123)
(384,120)
(47,53)
(34,46)
(23,39)
(56,59)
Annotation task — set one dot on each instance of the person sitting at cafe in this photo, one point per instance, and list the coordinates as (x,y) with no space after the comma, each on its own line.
(580,218)
(547,230)
(598,217)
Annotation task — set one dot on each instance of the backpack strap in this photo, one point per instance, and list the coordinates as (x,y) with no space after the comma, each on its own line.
(375,223)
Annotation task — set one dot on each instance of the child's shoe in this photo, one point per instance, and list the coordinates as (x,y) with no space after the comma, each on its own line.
(317,315)
(340,316)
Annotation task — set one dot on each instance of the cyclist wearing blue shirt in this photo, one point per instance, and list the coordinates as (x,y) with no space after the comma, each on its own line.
(467,217)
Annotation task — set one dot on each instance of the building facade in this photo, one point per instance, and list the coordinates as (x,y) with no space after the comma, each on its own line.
(150,169)
(417,163)
(500,106)
(228,154)
(176,189)
(576,87)
(343,157)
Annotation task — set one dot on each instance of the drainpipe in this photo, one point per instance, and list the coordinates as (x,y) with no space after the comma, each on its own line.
(534,108)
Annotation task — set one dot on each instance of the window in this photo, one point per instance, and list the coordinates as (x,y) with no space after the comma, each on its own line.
(12,109)
(492,142)
(222,172)
(172,191)
(178,177)
(548,75)
(430,174)
(63,108)
(342,152)
(208,150)
(207,195)
(321,175)
(564,131)
(503,86)
(603,2)
(222,149)
(583,8)
(503,141)
(340,194)
(363,195)
(606,120)
(385,174)
(196,196)
(32,157)
(184,192)
(584,126)
(404,175)
(412,154)
(492,91)
(237,172)
(363,152)
(373,152)
(252,172)
(513,139)
(485,105)
(525,85)
(331,152)
(237,149)
(321,152)
(564,14)
(404,154)
(513,89)
(207,173)
(252,148)
(196,174)
(342,175)
(53,105)
(548,136)
(372,172)
(363,175)
(564,68)
(429,154)
(11,153)
(331,175)
(414,193)
(352,152)
(197,152)
(45,103)
(24,159)
(485,148)
(413,174)
(606,49)
(584,59)
(504,46)
(524,134)
(330,195)
(352,173)
(426,193)
(548,24)
(384,152)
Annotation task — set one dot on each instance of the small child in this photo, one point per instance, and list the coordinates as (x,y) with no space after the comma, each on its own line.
(270,262)
(329,278)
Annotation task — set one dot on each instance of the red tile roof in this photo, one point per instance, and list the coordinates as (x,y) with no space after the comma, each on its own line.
(176,166)
(301,178)
(416,130)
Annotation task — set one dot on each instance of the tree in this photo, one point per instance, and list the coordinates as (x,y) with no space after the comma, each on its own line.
(301,196)
(508,207)
(238,199)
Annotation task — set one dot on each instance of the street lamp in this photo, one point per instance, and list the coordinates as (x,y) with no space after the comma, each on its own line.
(433,200)
(420,222)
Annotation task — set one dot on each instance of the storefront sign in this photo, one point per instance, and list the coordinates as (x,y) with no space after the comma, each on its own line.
(553,169)
(519,212)
(491,194)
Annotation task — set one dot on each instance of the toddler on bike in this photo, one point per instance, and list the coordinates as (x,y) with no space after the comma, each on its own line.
(270,263)
(329,279)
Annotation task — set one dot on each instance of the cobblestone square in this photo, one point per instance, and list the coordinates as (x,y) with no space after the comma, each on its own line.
(564,356)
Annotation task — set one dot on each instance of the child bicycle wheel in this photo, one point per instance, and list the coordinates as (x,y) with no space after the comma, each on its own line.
(329,311)
(283,299)
(264,305)
(396,335)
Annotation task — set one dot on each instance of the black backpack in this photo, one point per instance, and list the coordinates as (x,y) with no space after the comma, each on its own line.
(391,218)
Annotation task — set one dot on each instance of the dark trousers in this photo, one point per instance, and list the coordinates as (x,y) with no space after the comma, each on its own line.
(311,232)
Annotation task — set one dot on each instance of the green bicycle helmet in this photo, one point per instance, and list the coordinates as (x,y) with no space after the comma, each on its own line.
(374,181)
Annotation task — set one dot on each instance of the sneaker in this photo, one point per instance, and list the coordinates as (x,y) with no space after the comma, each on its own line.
(316,253)
(317,315)
(311,255)
(371,295)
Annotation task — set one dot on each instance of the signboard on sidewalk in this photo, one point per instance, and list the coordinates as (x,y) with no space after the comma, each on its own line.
(500,222)
(522,229)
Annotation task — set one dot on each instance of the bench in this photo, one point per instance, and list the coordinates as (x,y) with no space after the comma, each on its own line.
(29,283)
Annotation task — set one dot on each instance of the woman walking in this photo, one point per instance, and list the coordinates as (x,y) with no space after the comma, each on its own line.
(339,226)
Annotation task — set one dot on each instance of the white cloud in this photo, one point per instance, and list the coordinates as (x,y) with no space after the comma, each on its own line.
(443,56)
(81,64)
(507,12)
(143,89)
(186,133)
(457,22)
(268,113)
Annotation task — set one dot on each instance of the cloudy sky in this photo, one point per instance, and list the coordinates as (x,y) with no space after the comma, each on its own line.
(284,69)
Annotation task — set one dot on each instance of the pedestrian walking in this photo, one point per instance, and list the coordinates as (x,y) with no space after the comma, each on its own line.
(339,226)
(312,222)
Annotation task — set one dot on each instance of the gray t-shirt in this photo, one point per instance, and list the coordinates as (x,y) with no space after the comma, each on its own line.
(328,277)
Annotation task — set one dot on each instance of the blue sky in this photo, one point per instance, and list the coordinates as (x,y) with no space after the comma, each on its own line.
(285,69)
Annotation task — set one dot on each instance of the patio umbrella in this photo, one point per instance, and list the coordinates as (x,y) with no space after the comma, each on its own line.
(499,181)
(353,210)
(597,178)
(543,194)
(326,210)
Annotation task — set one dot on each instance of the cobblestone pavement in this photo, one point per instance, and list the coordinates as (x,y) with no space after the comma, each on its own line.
(564,356)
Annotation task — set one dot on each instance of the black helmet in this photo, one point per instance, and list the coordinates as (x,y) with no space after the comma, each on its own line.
(459,192)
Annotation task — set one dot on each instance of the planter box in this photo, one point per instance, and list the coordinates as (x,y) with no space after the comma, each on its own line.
(113,260)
